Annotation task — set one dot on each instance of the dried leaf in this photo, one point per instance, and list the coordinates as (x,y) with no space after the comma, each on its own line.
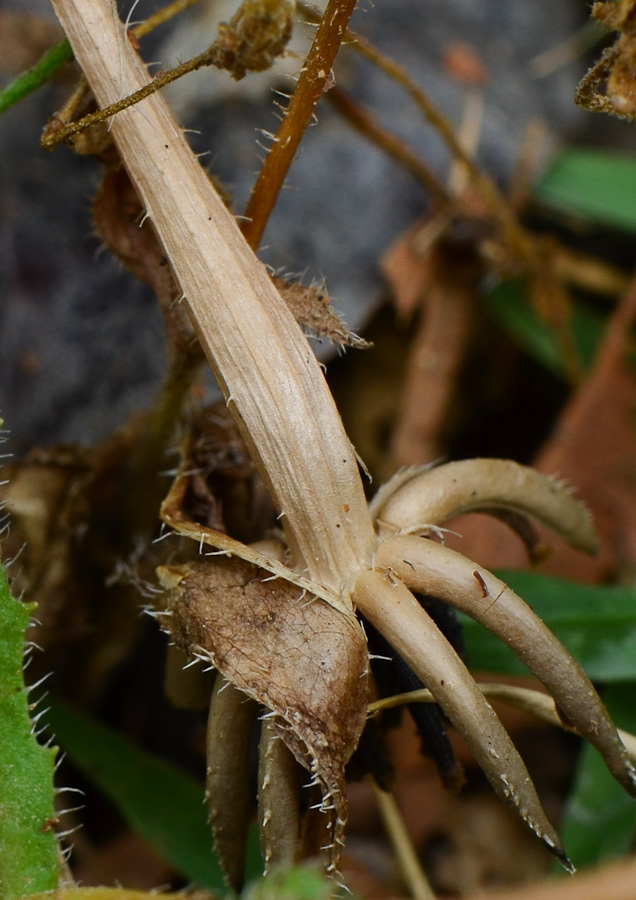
(610,85)
(224,490)
(435,359)
(312,308)
(304,660)
(119,219)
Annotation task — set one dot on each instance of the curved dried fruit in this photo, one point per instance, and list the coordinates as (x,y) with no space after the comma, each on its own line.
(434,495)
(428,567)
(391,607)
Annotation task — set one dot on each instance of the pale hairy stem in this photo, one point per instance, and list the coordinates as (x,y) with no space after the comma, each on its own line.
(227,789)
(279,785)
(263,362)
(440,572)
(415,498)
(535,703)
(391,608)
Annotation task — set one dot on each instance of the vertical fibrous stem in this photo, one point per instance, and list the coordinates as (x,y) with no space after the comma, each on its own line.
(268,373)
(311,83)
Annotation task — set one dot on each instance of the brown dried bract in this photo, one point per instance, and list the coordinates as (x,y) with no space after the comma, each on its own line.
(610,85)
(289,651)
(223,490)
(119,219)
(312,308)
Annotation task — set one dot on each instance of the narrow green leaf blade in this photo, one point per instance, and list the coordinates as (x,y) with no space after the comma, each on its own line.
(600,817)
(28,850)
(161,803)
(596,623)
(508,305)
(597,185)
(33,78)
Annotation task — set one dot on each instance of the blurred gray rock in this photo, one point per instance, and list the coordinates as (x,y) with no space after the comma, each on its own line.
(81,340)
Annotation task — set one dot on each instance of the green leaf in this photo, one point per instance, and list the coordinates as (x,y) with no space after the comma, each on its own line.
(31,79)
(597,185)
(297,883)
(600,817)
(161,803)
(508,305)
(28,849)
(596,623)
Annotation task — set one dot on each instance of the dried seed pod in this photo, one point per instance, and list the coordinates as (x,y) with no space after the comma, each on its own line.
(227,785)
(429,497)
(428,567)
(291,651)
(391,607)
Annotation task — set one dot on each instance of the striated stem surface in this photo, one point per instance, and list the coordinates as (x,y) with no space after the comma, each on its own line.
(262,360)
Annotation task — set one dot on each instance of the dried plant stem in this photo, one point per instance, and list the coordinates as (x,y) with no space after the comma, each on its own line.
(63,53)
(362,120)
(162,16)
(519,241)
(311,83)
(517,238)
(535,703)
(410,867)
(391,607)
(264,364)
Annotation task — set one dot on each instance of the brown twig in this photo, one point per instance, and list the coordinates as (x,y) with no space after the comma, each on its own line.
(56,135)
(364,122)
(311,84)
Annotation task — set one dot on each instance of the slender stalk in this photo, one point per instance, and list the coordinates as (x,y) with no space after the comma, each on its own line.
(405,852)
(364,122)
(33,78)
(311,84)
(263,362)
(53,60)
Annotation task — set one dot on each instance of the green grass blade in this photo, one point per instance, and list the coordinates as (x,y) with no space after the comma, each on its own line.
(596,623)
(597,185)
(161,803)
(31,79)
(600,817)
(508,305)
(28,850)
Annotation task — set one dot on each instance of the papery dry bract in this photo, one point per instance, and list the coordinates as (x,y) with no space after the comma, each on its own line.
(292,652)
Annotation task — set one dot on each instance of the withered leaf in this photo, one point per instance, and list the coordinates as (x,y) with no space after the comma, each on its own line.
(118,216)
(311,307)
(294,653)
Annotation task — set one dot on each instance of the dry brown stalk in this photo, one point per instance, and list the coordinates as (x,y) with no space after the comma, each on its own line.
(263,362)
(312,82)
(275,390)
